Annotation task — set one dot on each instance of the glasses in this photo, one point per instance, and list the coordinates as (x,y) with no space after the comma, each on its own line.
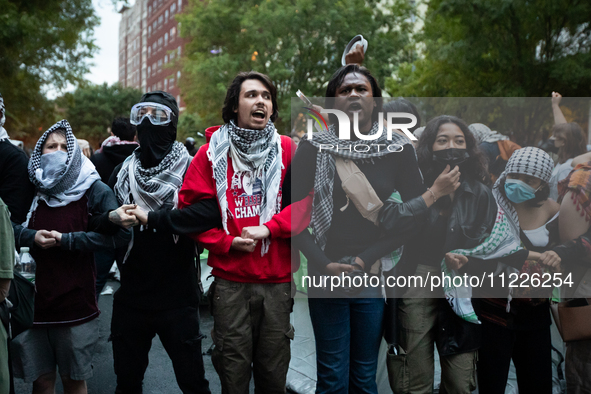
(158,114)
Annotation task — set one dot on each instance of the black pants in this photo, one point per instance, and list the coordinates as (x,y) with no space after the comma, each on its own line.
(103,261)
(132,331)
(531,351)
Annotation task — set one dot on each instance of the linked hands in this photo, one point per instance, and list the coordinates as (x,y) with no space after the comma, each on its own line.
(249,238)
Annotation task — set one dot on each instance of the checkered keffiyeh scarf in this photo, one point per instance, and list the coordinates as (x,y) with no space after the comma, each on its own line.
(2,112)
(77,177)
(153,187)
(256,154)
(528,161)
(322,207)
(482,133)
(500,243)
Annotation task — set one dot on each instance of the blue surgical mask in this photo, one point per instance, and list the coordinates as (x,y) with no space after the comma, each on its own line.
(518,191)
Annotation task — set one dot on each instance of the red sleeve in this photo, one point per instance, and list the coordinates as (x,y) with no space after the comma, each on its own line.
(198,185)
(294,219)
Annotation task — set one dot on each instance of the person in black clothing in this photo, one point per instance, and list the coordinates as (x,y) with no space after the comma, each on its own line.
(16,190)
(115,149)
(348,329)
(462,220)
(190,145)
(159,291)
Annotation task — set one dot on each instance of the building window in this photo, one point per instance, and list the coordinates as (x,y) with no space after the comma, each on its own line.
(160,63)
(166,59)
(179,49)
(172,83)
(172,55)
(166,84)
(180,4)
(160,19)
(149,31)
(165,39)
(149,71)
(166,15)
(149,10)
(149,51)
(172,33)
(178,75)
(160,42)
(154,46)
(154,25)
(173,8)
(178,99)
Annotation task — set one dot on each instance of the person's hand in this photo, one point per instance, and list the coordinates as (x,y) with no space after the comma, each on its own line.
(447,182)
(355,55)
(556,97)
(256,232)
(336,269)
(57,236)
(455,261)
(243,244)
(140,214)
(44,239)
(550,259)
(121,218)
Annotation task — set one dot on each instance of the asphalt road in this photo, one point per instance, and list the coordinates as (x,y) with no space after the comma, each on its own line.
(159,378)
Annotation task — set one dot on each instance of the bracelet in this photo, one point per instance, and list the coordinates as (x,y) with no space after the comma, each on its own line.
(433,194)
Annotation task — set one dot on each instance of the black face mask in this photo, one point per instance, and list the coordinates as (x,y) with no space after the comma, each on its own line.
(453,157)
(549,146)
(155,142)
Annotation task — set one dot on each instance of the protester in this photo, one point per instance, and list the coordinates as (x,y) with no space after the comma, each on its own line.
(159,291)
(497,148)
(458,222)
(348,328)
(522,333)
(244,165)
(575,217)
(190,145)
(15,188)
(6,264)
(71,204)
(571,141)
(115,149)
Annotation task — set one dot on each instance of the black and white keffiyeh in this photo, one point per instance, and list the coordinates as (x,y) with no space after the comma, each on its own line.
(152,188)
(483,133)
(528,161)
(71,184)
(256,154)
(66,186)
(3,133)
(325,169)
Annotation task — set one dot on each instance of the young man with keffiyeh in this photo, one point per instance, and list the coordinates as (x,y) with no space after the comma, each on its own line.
(67,222)
(244,165)
(159,291)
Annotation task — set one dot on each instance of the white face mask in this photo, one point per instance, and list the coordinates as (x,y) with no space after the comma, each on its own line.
(51,167)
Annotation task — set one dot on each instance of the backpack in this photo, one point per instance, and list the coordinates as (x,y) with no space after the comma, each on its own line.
(506,149)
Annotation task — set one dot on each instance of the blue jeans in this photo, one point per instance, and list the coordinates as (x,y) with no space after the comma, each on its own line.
(348,333)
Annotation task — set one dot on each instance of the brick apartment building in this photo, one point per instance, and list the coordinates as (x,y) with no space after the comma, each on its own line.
(148,44)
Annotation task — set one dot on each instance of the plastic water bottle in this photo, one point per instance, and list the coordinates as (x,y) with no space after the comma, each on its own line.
(27,265)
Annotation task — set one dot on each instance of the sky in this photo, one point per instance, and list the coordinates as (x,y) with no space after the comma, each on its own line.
(106,60)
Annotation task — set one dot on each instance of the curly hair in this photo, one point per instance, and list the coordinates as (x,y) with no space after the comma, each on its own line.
(474,168)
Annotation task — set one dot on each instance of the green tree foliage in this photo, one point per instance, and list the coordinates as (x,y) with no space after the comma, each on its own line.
(44,43)
(90,109)
(501,48)
(298,43)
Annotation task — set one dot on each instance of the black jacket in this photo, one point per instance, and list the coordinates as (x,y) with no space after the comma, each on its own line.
(110,157)
(472,218)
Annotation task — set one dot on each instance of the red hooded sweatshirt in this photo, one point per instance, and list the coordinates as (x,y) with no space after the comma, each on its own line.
(276,265)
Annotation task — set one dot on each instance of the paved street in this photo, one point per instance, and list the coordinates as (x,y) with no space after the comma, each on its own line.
(159,378)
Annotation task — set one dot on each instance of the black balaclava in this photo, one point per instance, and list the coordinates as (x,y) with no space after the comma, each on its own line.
(156,141)
(452,156)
